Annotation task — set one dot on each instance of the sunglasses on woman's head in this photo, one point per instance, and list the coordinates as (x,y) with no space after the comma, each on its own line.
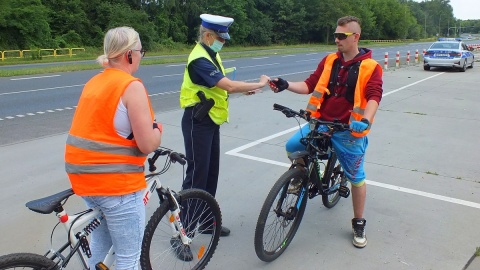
(342,36)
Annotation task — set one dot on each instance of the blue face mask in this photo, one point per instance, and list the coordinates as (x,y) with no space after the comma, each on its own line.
(216,46)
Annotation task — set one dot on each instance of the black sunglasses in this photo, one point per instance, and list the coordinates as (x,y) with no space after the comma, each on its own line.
(342,36)
(142,51)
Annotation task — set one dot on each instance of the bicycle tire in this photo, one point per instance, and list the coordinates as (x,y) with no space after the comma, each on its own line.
(332,176)
(280,229)
(27,261)
(158,253)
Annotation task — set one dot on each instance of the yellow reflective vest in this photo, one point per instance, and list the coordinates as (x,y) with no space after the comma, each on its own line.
(367,67)
(188,92)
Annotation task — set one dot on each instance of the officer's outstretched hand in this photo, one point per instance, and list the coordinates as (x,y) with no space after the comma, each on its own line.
(359,126)
(278,85)
(264,79)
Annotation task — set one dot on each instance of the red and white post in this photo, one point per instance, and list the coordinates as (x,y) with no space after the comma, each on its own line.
(408,58)
(397,60)
(385,64)
(416,56)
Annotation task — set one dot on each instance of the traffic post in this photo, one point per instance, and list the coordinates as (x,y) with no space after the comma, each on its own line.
(385,64)
(397,60)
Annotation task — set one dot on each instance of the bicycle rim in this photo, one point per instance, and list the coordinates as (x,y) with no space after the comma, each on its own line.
(280,217)
(157,250)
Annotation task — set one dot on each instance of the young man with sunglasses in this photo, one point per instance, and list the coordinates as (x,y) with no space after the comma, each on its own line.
(346,86)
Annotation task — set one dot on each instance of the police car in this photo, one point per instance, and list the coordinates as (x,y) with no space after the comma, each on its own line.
(449,52)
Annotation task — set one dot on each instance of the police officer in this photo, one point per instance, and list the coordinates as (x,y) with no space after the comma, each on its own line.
(205,79)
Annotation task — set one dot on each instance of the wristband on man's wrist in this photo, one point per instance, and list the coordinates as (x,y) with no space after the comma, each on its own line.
(365,120)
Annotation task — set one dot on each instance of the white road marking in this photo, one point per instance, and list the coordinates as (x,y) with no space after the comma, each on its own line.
(236,152)
(164,93)
(406,86)
(288,55)
(168,75)
(29,78)
(259,58)
(37,113)
(272,64)
(42,89)
(306,60)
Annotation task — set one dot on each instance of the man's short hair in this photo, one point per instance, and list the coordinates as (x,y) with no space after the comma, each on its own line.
(348,19)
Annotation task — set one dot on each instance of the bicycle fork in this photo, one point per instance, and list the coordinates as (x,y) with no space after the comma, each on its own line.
(175,221)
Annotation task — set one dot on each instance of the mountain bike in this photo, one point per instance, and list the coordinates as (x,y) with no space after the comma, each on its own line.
(167,223)
(285,204)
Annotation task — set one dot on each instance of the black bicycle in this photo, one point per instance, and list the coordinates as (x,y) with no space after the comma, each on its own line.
(190,219)
(285,204)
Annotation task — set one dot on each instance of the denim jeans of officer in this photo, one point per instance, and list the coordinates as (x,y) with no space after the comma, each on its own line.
(350,151)
(123,227)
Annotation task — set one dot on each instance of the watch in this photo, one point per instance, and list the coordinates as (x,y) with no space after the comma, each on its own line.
(365,120)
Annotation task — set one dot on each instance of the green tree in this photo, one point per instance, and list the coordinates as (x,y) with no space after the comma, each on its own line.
(68,21)
(25,25)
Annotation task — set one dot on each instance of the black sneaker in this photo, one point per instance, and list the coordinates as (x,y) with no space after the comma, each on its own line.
(359,237)
(204,229)
(182,251)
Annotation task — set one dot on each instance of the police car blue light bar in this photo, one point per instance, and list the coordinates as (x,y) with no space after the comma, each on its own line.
(449,39)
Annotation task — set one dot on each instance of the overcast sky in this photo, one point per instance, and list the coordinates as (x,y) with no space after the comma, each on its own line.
(466,9)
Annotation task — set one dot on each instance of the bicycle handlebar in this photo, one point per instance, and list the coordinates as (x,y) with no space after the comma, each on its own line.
(174,157)
(306,116)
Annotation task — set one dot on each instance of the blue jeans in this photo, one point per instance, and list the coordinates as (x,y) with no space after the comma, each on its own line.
(123,227)
(350,152)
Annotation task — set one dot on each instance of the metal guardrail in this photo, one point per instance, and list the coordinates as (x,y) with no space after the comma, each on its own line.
(40,52)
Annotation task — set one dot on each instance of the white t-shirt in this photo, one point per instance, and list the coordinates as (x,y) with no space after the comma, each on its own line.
(121,121)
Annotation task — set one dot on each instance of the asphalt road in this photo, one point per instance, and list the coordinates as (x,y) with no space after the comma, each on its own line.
(423,198)
(47,101)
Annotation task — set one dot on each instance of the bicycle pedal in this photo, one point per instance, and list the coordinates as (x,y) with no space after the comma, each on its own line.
(101,266)
(313,192)
(344,191)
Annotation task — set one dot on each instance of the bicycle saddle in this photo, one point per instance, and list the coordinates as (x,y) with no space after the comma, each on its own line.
(48,204)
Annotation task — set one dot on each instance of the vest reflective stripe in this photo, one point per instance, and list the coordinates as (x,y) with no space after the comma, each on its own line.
(367,67)
(98,161)
(104,147)
(103,168)
(188,93)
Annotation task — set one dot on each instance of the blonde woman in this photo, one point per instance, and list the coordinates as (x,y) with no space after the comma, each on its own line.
(112,132)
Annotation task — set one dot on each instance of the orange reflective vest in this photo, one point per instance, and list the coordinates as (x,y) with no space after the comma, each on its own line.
(98,161)
(366,69)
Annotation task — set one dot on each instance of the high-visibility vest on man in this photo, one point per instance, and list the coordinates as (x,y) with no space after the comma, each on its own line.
(367,67)
(98,161)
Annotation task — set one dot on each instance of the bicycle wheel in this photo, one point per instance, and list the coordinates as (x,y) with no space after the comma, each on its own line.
(280,217)
(333,175)
(26,261)
(200,208)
